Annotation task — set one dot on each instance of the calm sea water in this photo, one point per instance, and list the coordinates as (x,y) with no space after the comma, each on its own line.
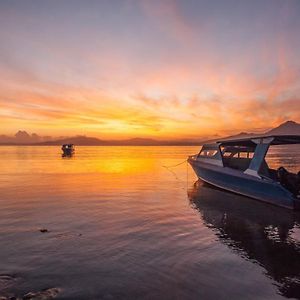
(122,226)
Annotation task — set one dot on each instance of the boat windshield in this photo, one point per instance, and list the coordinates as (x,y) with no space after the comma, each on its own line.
(210,151)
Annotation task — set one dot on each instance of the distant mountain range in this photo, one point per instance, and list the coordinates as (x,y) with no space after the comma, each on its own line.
(23,138)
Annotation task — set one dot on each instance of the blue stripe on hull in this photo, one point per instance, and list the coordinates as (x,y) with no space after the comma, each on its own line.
(238,182)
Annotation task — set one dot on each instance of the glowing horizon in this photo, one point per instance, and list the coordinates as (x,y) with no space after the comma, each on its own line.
(159,69)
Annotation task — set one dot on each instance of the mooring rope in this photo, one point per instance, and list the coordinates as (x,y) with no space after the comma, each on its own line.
(175,175)
(173,166)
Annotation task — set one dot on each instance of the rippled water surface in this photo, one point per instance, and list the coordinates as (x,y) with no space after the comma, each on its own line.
(119,225)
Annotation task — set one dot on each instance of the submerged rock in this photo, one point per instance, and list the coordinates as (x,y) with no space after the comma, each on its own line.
(43,230)
(6,280)
(42,295)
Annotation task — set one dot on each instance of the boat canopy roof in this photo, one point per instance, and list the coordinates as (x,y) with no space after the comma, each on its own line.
(261,139)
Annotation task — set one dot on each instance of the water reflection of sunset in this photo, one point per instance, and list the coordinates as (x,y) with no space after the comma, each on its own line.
(131,224)
(91,168)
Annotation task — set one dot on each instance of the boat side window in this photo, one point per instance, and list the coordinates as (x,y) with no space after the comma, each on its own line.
(238,154)
(227,154)
(237,157)
(245,154)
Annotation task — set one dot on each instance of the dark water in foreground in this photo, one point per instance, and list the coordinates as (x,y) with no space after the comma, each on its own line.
(121,226)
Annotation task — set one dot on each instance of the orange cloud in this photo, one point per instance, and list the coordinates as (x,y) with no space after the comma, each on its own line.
(165,74)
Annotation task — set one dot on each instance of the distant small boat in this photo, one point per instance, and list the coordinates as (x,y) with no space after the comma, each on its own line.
(68,149)
(239,166)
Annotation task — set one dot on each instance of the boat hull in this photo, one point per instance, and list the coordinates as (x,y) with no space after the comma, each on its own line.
(265,190)
(68,152)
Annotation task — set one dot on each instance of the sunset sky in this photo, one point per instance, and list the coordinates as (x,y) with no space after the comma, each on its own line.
(163,69)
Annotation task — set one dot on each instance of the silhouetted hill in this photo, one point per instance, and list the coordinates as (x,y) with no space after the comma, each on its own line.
(77,140)
(289,127)
(23,138)
(286,128)
(230,137)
